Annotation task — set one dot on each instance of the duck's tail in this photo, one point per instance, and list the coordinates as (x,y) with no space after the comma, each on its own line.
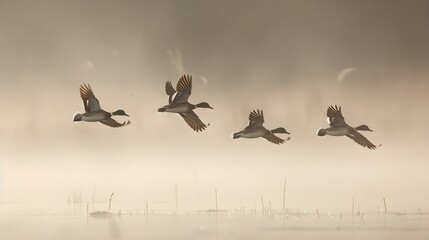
(321,132)
(77,117)
(162,109)
(236,135)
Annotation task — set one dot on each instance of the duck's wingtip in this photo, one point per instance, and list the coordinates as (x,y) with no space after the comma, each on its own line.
(374,147)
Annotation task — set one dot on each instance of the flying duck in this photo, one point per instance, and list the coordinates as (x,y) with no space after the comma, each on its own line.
(340,128)
(179,104)
(255,129)
(93,111)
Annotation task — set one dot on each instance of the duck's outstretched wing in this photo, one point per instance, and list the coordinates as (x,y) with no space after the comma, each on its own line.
(113,123)
(256,118)
(361,140)
(170,91)
(193,121)
(90,102)
(183,88)
(335,117)
(274,139)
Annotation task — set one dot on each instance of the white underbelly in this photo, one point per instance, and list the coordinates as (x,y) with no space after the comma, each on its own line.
(180,108)
(338,132)
(93,117)
(254,133)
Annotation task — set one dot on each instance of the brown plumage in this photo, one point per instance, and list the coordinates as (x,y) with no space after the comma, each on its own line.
(113,123)
(361,140)
(178,103)
(193,121)
(339,127)
(256,129)
(93,111)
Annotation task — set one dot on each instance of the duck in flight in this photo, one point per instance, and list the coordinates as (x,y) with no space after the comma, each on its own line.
(93,111)
(255,129)
(179,103)
(340,128)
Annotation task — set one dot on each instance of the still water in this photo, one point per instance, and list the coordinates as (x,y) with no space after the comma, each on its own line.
(45,224)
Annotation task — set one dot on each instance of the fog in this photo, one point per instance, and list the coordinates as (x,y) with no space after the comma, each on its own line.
(290,58)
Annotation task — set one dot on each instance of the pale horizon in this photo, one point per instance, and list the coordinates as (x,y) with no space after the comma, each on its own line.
(292,59)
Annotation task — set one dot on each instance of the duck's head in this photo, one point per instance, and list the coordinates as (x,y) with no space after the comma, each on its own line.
(279,130)
(363,128)
(119,113)
(203,105)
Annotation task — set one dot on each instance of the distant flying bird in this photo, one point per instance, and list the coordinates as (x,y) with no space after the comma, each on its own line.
(179,104)
(342,75)
(93,111)
(255,129)
(340,128)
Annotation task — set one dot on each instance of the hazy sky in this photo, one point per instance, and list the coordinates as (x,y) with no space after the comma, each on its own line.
(290,58)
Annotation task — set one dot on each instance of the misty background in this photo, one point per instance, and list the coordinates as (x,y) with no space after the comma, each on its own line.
(290,58)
